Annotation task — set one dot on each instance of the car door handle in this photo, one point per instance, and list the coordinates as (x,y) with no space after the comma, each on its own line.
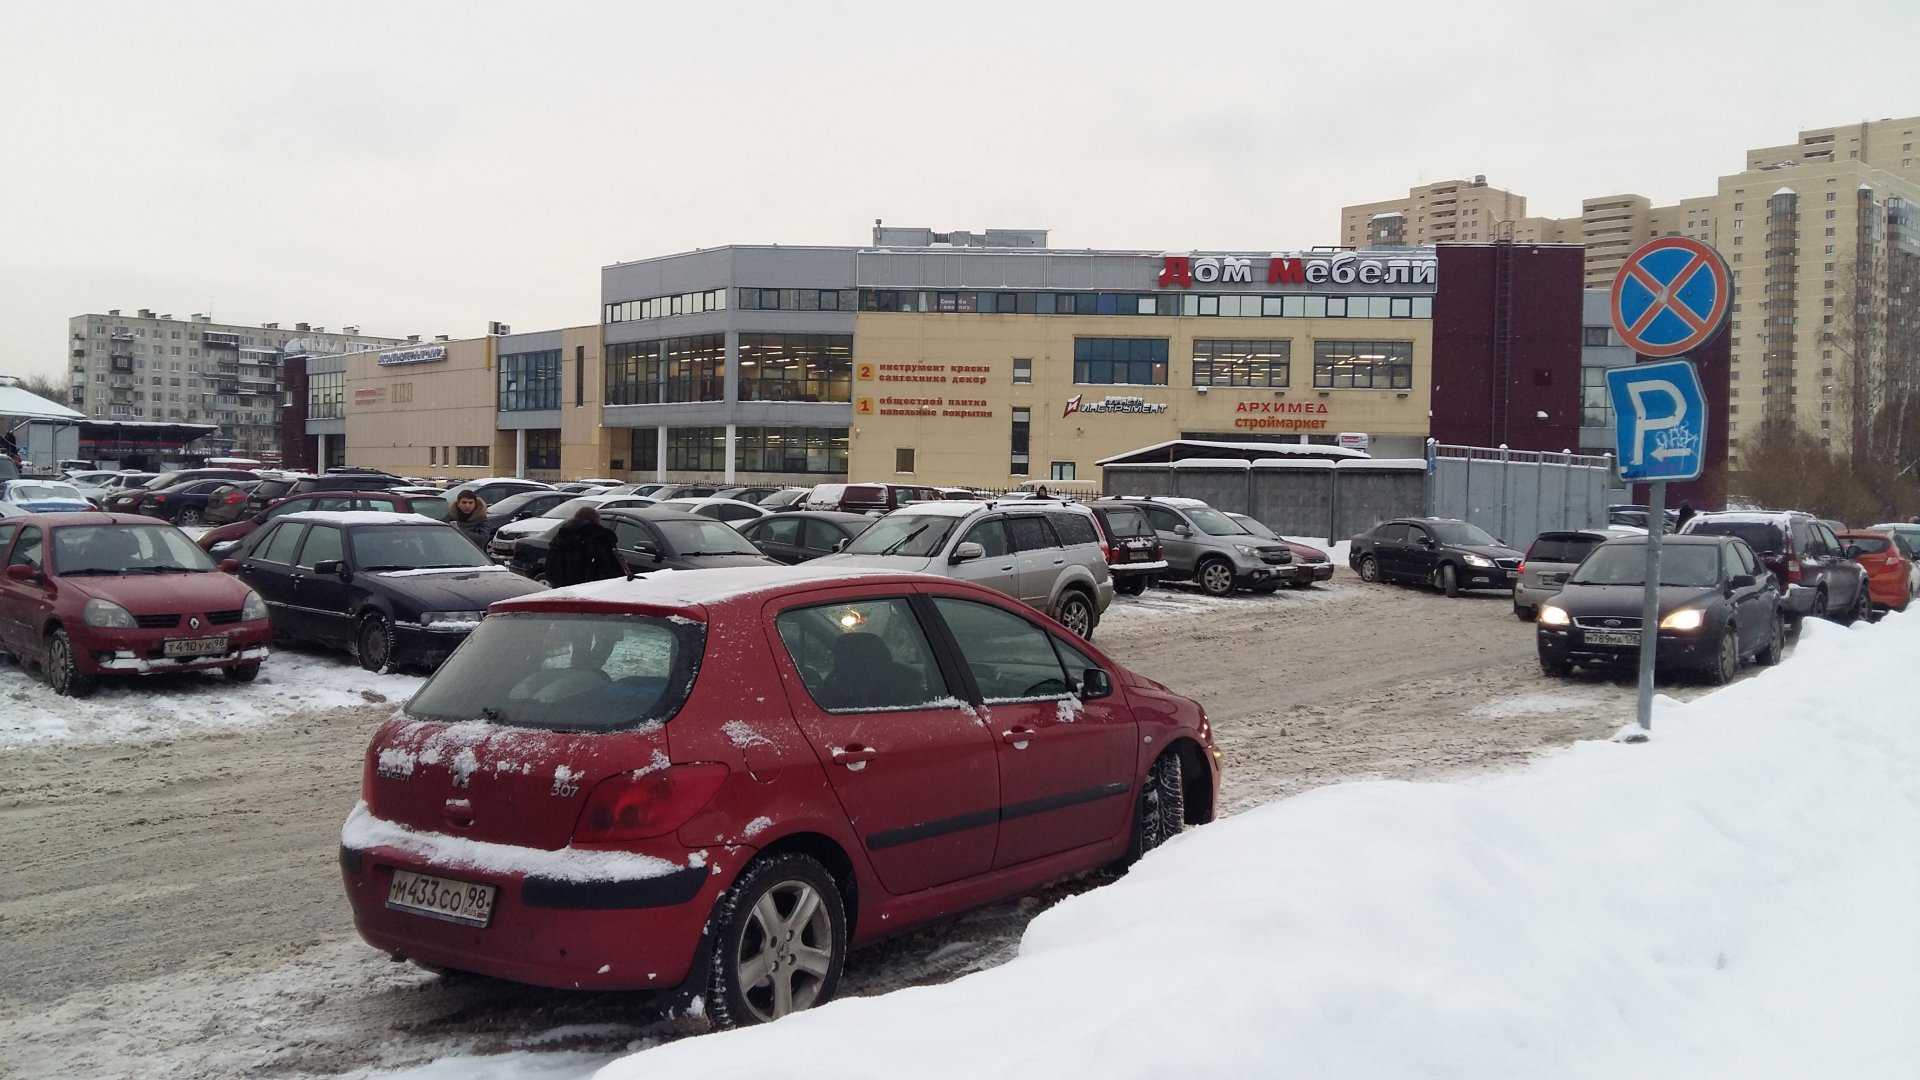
(854,757)
(1018,737)
(1059,562)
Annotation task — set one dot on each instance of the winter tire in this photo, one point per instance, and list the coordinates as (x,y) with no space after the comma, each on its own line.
(1776,643)
(779,942)
(188,518)
(1726,661)
(1162,810)
(1369,569)
(63,668)
(373,643)
(1449,580)
(1075,612)
(1862,608)
(1130,586)
(243,673)
(1215,577)
(1525,614)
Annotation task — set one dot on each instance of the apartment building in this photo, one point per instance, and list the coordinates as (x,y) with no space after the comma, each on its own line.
(1449,211)
(154,367)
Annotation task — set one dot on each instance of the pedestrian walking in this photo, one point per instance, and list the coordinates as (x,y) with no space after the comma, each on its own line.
(583,550)
(1686,514)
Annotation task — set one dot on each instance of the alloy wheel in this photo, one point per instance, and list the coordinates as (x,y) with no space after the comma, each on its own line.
(1369,570)
(1216,578)
(1076,615)
(786,951)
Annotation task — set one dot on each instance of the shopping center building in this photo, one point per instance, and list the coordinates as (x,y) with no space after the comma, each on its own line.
(979,359)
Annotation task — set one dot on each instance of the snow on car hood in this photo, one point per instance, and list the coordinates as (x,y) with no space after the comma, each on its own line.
(469,591)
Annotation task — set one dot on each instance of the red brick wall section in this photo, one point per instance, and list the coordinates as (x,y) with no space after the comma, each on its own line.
(1542,298)
(297,448)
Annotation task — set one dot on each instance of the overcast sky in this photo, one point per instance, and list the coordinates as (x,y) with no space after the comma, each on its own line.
(410,167)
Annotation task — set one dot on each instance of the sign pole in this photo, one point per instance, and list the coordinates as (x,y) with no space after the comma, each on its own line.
(1650,603)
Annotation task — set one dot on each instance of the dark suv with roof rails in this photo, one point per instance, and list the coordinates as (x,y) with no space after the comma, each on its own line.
(1799,550)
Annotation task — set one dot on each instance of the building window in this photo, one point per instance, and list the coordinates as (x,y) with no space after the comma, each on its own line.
(701,449)
(579,375)
(472,456)
(1358,365)
(903,459)
(1022,369)
(790,449)
(659,307)
(1061,470)
(645,449)
(1596,405)
(543,446)
(1593,336)
(1224,362)
(530,380)
(433,455)
(799,299)
(796,367)
(674,369)
(326,394)
(1120,361)
(1022,427)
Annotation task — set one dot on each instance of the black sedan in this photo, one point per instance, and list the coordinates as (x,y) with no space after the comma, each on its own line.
(1446,553)
(526,504)
(397,590)
(1717,607)
(130,500)
(656,539)
(187,503)
(798,537)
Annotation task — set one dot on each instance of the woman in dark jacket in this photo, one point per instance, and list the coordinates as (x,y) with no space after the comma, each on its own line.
(582,550)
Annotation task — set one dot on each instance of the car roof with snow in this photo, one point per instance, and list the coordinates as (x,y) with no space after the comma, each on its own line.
(1782,518)
(692,589)
(359,517)
(56,518)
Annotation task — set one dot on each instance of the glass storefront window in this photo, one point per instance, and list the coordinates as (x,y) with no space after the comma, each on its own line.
(1360,365)
(796,367)
(790,449)
(326,395)
(674,369)
(530,380)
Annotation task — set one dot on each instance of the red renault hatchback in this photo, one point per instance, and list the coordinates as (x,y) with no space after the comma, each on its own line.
(90,595)
(717,781)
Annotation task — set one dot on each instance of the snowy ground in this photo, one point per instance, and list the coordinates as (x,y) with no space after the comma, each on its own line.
(170,706)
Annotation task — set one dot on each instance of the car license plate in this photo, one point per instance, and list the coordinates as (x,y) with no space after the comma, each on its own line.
(205,646)
(441,898)
(1613,637)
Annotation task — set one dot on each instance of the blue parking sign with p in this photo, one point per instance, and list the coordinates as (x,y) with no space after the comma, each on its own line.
(1660,420)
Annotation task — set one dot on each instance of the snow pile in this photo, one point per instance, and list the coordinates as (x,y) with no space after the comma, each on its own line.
(1336,553)
(1734,898)
(362,831)
(146,709)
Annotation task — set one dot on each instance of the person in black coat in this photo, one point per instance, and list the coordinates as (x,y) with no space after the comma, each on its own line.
(1685,515)
(582,550)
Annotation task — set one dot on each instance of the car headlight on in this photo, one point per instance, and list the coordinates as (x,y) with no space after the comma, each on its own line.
(1684,619)
(255,608)
(1553,616)
(446,618)
(106,613)
(1478,560)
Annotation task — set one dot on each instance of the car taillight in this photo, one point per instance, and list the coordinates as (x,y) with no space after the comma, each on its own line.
(1106,552)
(236,497)
(159,498)
(632,806)
(1522,568)
(1793,571)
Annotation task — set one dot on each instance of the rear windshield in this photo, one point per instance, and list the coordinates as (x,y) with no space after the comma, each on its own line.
(1762,537)
(1126,521)
(916,535)
(1866,545)
(1562,549)
(566,672)
(431,506)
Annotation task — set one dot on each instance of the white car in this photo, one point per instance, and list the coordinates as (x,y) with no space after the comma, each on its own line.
(500,548)
(732,511)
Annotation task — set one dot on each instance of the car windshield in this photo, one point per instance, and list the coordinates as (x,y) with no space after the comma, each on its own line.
(1215,523)
(565,510)
(512,503)
(566,672)
(411,547)
(1255,527)
(36,490)
(705,538)
(1762,536)
(1686,565)
(1462,533)
(915,535)
(165,479)
(125,549)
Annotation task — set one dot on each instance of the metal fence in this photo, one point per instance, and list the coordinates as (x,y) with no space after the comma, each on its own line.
(1518,494)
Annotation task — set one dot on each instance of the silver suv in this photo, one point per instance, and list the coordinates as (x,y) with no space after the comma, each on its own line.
(1045,553)
(1210,548)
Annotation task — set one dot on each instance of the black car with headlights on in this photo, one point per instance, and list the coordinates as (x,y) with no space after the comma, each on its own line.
(397,590)
(1717,607)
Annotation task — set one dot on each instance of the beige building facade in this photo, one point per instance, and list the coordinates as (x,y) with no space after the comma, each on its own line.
(1449,211)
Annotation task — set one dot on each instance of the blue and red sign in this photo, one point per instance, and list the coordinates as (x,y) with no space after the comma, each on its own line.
(1670,296)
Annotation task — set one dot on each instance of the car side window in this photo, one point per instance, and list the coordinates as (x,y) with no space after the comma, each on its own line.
(383,505)
(283,543)
(1076,662)
(778,530)
(820,535)
(1031,533)
(1730,561)
(1416,534)
(1009,656)
(1074,528)
(864,656)
(992,535)
(27,551)
(733,513)
(1827,539)
(1393,533)
(1164,520)
(6,536)
(323,543)
(1802,538)
(288,507)
(629,536)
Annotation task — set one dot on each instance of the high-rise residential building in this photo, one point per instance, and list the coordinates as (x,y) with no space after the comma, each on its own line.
(154,367)
(1448,211)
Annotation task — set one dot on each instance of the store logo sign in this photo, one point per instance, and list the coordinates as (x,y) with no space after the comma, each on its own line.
(1135,405)
(1335,268)
(423,355)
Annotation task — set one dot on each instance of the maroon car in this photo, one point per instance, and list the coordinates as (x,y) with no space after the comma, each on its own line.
(90,595)
(433,506)
(717,781)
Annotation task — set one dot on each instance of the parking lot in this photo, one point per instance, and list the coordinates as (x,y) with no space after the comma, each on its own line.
(173,907)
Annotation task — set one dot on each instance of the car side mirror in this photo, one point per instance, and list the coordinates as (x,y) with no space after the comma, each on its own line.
(967,552)
(21,572)
(1182,530)
(841,544)
(1094,684)
(329,568)
(229,566)
(1744,581)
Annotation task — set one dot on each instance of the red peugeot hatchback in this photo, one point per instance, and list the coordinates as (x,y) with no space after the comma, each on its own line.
(716,781)
(92,595)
